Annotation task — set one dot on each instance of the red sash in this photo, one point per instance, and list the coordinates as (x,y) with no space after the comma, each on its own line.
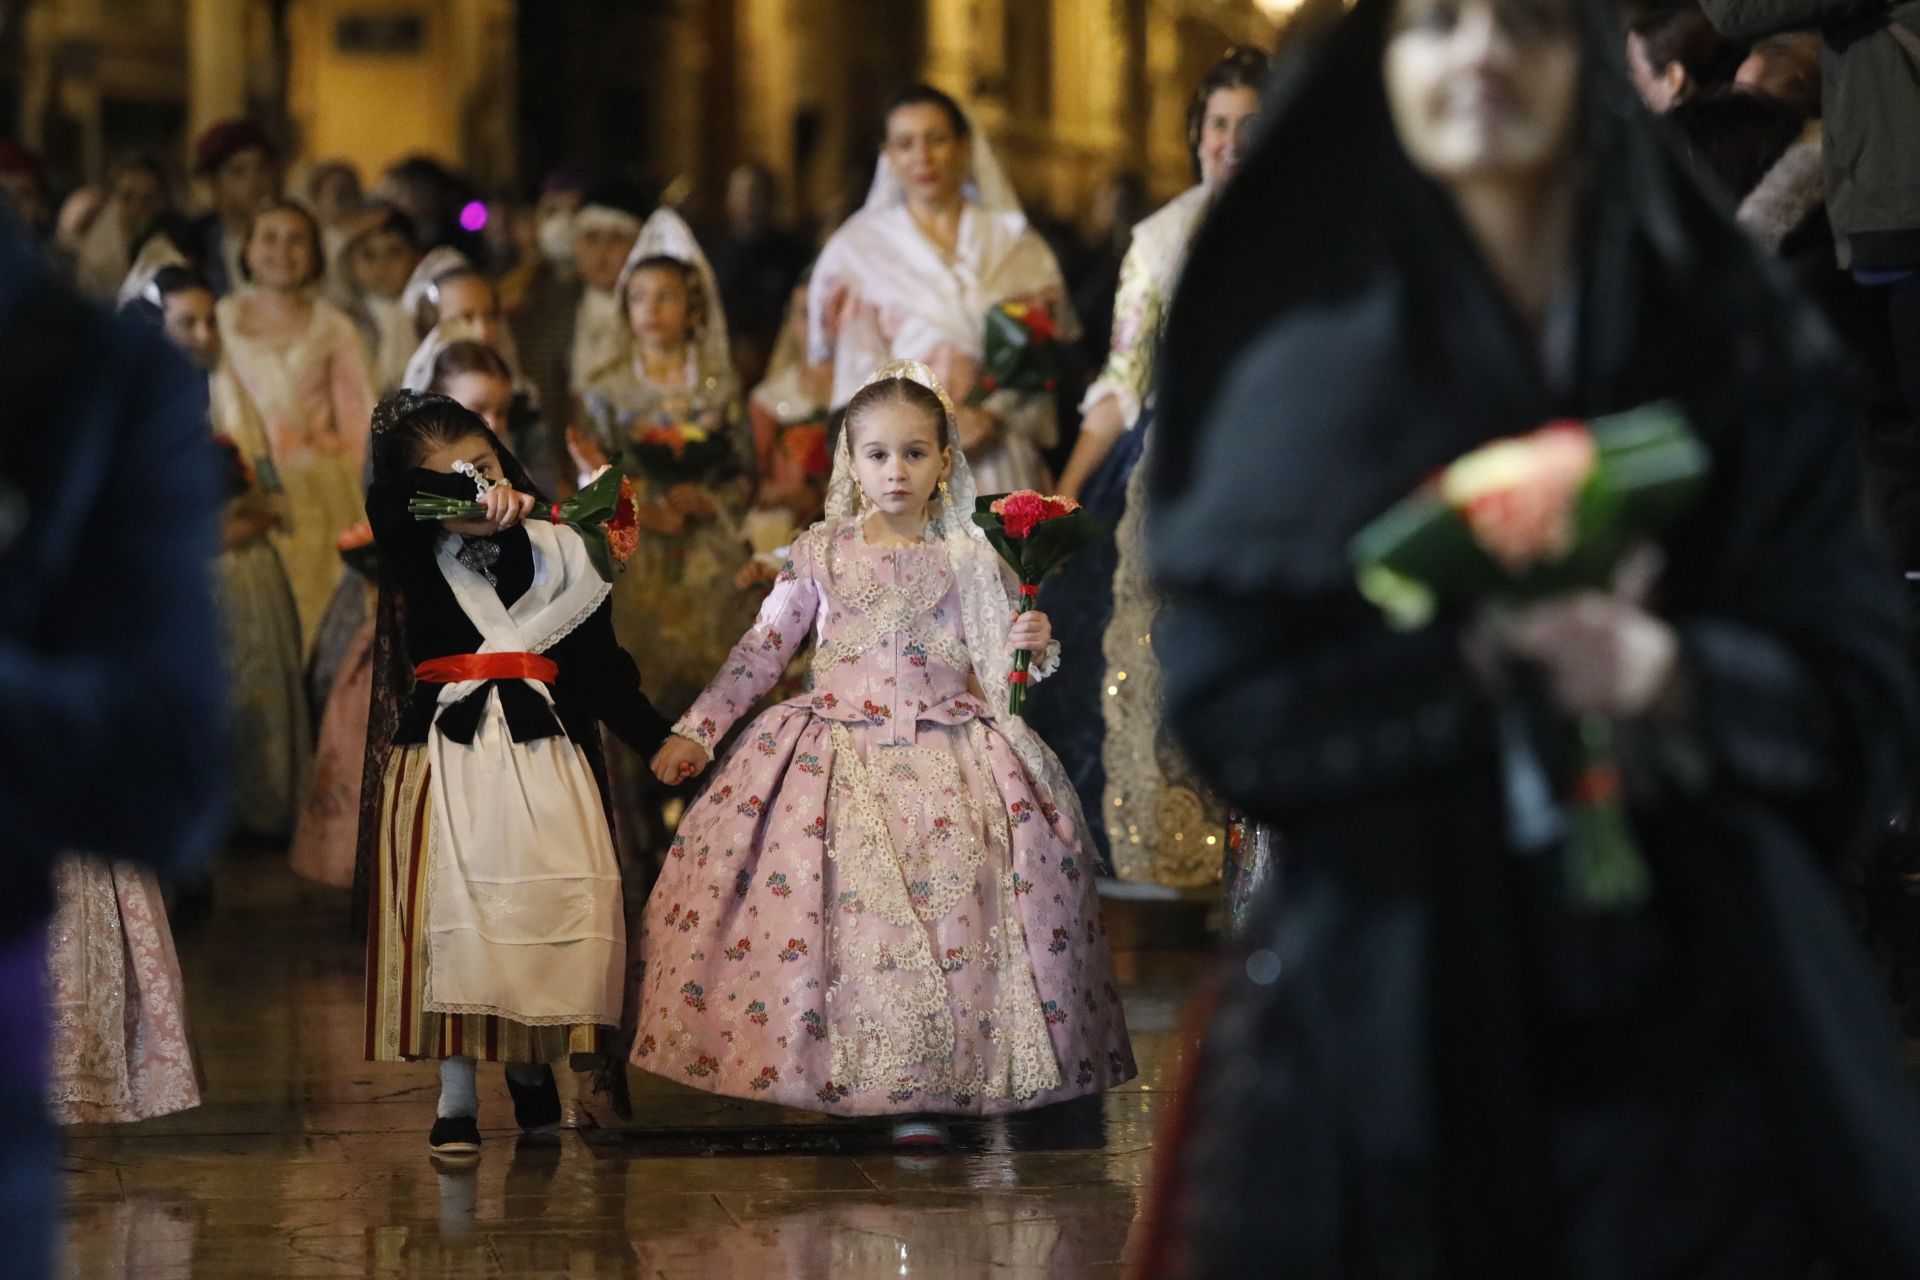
(487,666)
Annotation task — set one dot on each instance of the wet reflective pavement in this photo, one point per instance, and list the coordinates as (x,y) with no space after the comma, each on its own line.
(306,1161)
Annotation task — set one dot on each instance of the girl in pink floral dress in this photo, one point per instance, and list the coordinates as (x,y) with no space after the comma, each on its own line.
(882,904)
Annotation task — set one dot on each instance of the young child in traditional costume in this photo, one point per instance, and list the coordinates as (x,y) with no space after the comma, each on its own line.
(496,924)
(883,903)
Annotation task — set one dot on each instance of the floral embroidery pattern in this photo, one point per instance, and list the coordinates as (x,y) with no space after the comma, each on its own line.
(944,934)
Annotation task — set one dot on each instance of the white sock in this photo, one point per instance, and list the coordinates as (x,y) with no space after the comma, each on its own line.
(457,1094)
(528,1075)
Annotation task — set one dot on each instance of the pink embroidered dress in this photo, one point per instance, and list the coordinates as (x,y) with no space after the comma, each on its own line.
(875,907)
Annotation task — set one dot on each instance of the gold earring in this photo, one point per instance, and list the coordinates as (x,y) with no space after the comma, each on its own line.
(859,499)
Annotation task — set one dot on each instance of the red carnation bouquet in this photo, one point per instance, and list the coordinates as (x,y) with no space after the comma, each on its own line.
(1528,518)
(602,513)
(1021,351)
(1034,534)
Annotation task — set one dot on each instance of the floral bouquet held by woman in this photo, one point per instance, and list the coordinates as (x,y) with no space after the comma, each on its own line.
(1523,519)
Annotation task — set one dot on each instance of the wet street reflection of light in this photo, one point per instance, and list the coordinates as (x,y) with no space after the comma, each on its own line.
(308,1161)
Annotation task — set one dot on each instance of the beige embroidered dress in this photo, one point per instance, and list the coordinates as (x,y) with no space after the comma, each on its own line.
(314,394)
(873,908)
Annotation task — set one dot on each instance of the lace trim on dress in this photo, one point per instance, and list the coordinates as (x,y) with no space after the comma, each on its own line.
(891,1019)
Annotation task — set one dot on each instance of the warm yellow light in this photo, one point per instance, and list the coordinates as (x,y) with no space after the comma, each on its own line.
(1277,10)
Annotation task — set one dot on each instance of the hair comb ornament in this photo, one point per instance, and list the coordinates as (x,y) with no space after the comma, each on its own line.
(916,372)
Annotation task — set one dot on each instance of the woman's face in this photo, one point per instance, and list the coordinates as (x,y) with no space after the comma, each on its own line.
(247,180)
(897,457)
(468,305)
(188,318)
(489,396)
(928,156)
(1484,90)
(280,251)
(1226,128)
(658,307)
(599,253)
(381,262)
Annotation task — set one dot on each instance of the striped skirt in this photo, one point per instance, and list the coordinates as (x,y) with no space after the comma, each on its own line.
(399,1027)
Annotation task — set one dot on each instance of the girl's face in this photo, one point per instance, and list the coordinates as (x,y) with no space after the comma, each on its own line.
(489,396)
(658,307)
(1484,90)
(468,305)
(380,262)
(897,458)
(1226,129)
(928,156)
(479,454)
(188,318)
(280,251)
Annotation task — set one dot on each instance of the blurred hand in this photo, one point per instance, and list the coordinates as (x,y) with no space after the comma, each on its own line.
(585,451)
(1032,631)
(979,430)
(679,760)
(1602,654)
(754,573)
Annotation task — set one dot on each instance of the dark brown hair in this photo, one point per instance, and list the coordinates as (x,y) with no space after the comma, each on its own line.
(1238,68)
(1683,35)
(427,314)
(925,95)
(896,390)
(408,426)
(467,356)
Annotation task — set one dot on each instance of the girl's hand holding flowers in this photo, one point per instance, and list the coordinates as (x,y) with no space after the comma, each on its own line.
(678,760)
(505,507)
(1032,632)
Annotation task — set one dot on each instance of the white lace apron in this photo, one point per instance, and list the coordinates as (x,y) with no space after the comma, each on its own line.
(523,906)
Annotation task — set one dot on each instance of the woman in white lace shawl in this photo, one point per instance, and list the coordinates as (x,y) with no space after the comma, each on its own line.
(942,240)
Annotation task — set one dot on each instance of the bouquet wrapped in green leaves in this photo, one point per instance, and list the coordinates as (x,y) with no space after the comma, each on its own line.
(1020,351)
(1535,516)
(602,513)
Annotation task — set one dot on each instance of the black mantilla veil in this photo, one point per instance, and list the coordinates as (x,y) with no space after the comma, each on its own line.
(1411,1088)
(393,689)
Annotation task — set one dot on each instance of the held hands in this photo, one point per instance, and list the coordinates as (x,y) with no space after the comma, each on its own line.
(1032,631)
(678,760)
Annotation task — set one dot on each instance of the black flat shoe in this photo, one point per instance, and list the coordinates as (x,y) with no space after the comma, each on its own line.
(536,1107)
(455,1136)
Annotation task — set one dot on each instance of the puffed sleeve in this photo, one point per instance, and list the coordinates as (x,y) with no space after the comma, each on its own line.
(756,663)
(1137,309)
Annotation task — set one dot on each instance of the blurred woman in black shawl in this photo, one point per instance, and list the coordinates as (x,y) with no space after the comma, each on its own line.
(1460,225)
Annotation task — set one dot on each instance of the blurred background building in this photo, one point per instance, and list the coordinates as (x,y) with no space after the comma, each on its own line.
(1072,91)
